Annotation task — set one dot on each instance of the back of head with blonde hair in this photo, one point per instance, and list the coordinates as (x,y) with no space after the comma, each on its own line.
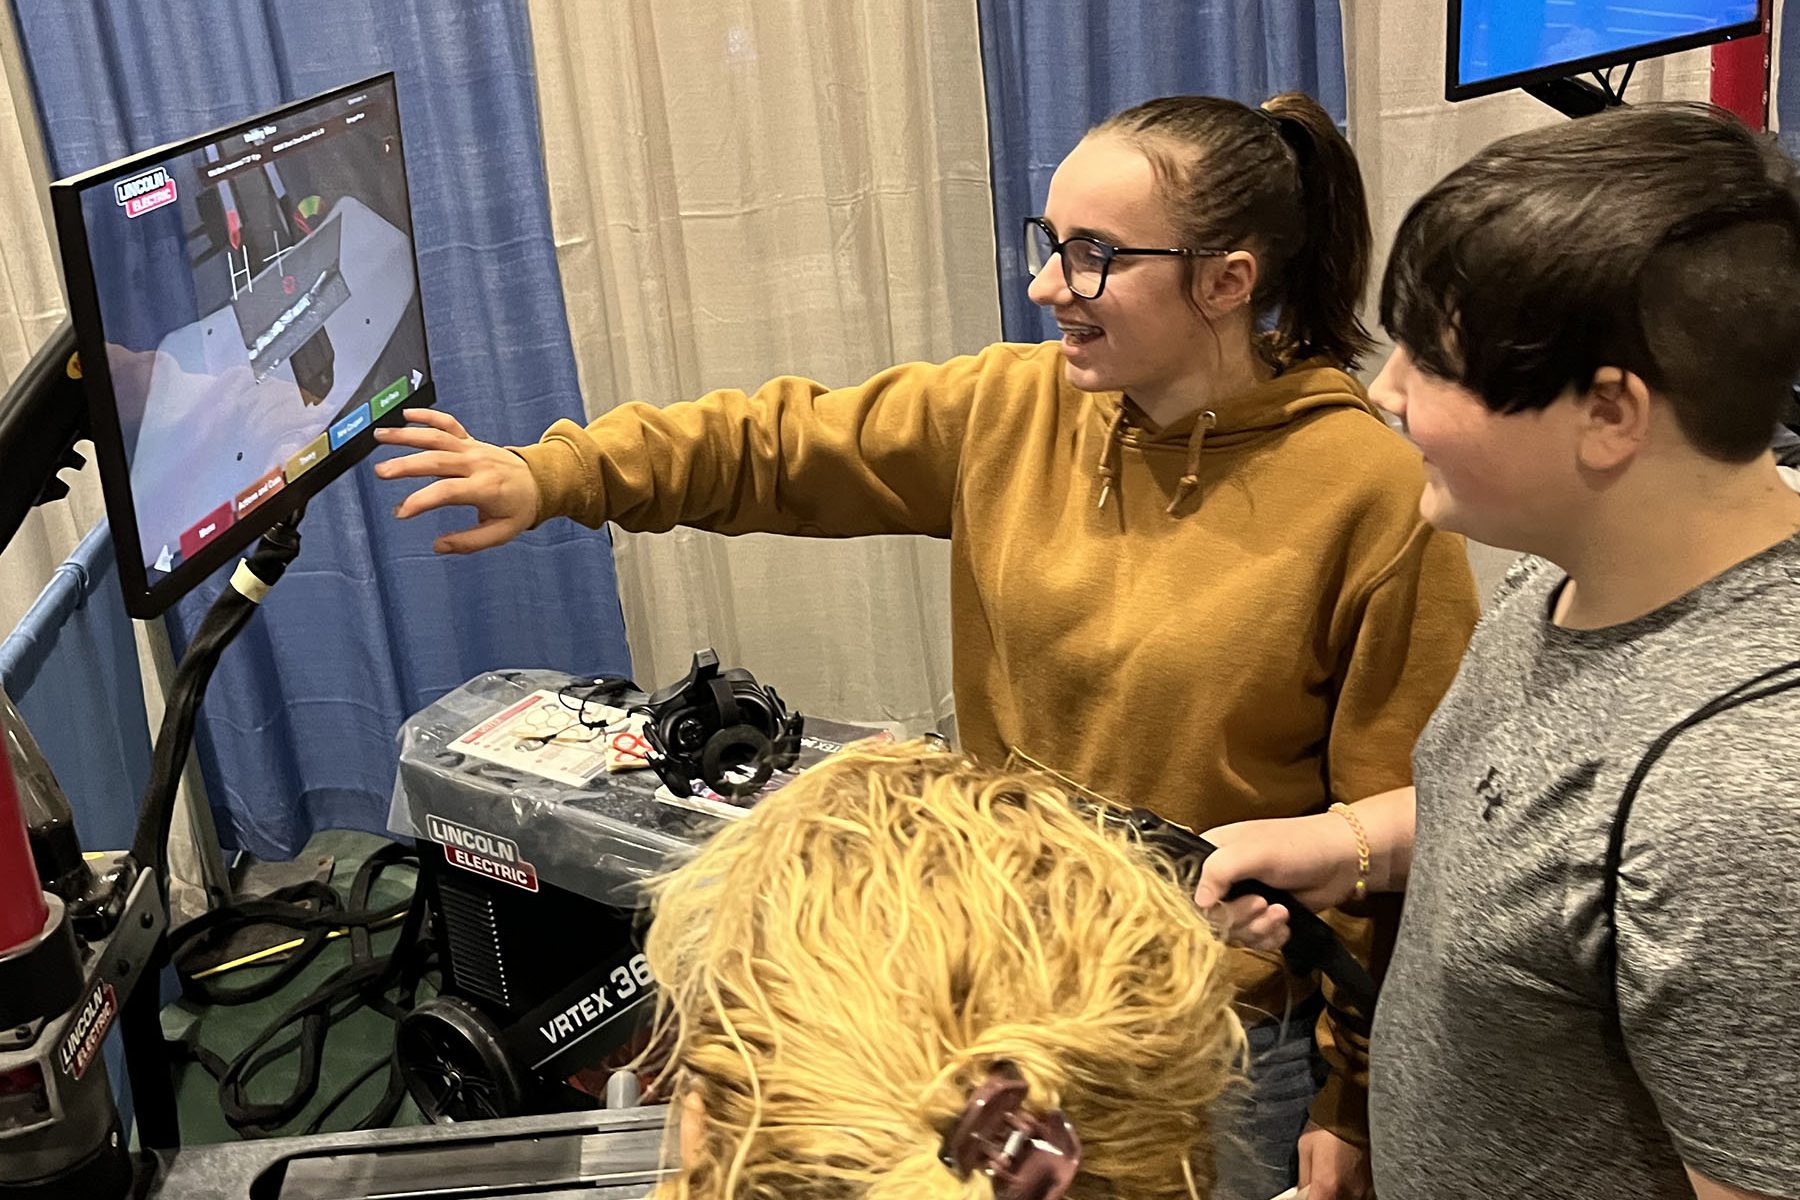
(840,969)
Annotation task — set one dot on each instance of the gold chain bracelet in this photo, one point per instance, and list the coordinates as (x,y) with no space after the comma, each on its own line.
(1362,847)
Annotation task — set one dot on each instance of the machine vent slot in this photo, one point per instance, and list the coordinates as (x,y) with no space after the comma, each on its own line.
(473,940)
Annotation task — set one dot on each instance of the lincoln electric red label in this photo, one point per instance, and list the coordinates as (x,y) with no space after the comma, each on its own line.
(482,853)
(81,1042)
(145,192)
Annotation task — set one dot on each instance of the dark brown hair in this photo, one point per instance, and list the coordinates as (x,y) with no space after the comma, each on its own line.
(1661,239)
(1281,182)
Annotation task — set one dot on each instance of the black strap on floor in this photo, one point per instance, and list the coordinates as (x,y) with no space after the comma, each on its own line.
(388,984)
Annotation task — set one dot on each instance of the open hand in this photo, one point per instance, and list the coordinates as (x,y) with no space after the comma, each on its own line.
(494,481)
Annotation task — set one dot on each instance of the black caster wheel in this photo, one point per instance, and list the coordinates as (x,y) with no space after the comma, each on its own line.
(453,1063)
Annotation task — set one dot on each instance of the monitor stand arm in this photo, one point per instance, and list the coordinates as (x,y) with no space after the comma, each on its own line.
(146,1058)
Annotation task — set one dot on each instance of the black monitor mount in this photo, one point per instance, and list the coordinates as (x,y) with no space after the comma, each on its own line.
(42,415)
(1576,97)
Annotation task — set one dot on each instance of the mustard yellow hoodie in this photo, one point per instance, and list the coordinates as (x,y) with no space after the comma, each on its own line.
(1240,616)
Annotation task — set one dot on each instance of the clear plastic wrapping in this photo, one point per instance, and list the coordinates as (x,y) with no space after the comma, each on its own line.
(601,839)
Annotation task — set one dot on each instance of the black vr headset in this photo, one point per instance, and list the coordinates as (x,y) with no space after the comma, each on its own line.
(719,727)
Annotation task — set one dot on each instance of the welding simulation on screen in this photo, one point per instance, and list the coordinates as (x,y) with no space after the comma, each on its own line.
(260,309)
(1500,39)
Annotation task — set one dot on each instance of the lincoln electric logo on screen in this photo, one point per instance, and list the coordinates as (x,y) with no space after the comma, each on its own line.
(148,191)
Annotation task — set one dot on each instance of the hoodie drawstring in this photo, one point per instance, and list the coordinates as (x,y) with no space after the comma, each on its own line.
(1109,452)
(1190,480)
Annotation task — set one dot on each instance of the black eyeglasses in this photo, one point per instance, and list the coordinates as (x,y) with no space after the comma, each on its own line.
(1085,260)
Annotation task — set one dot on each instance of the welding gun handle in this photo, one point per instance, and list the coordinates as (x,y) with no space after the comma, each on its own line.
(1314,946)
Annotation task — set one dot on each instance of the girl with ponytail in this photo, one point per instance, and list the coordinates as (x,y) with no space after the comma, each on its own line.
(1187,567)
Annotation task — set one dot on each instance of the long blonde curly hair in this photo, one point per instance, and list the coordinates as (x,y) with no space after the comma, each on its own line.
(840,969)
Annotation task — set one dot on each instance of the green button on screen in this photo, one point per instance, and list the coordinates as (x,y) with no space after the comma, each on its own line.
(389,397)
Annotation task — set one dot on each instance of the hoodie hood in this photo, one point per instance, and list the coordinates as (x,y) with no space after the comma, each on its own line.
(1302,390)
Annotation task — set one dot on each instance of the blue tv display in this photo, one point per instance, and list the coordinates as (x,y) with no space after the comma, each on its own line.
(1500,44)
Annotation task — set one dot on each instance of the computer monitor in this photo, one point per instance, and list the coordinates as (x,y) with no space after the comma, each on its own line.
(246,306)
(1495,45)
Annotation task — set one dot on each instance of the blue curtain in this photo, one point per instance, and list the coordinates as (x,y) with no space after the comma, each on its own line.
(1056,68)
(1787,95)
(369,625)
(71,668)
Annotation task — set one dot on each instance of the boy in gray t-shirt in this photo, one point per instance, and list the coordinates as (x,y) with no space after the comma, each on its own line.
(1594,993)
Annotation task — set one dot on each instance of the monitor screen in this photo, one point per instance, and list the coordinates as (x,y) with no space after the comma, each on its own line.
(246,305)
(1501,44)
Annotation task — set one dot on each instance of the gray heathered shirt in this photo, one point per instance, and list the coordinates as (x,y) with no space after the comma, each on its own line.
(1502,1065)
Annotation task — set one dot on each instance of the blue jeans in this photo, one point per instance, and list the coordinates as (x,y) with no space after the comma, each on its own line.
(1257,1144)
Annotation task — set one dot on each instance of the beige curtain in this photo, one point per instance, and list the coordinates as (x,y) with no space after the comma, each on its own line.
(741,191)
(1776,14)
(1408,136)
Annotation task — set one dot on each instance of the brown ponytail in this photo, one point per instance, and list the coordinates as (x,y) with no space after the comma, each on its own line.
(1281,182)
(1330,269)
